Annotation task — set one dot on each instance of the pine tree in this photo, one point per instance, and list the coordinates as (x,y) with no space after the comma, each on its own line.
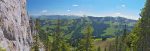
(117,39)
(81,45)
(47,41)
(111,47)
(123,38)
(145,27)
(124,33)
(36,37)
(132,39)
(85,43)
(57,38)
(99,48)
(116,42)
(88,37)
(65,46)
(105,49)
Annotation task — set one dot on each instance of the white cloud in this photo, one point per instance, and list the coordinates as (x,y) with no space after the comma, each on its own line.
(118,13)
(44,11)
(129,16)
(123,5)
(68,10)
(75,5)
(120,0)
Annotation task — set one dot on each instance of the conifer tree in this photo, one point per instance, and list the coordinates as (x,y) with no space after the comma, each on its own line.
(36,37)
(88,37)
(65,46)
(81,45)
(116,42)
(132,40)
(57,42)
(139,37)
(145,27)
(122,44)
(47,41)
(99,48)
(85,43)
(105,49)
(124,32)
(110,48)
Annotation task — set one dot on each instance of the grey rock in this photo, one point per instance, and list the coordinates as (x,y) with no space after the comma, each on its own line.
(15,32)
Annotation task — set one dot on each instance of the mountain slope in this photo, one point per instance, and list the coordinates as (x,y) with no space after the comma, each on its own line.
(104,27)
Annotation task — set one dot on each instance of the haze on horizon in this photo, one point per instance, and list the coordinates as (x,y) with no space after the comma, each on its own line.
(125,8)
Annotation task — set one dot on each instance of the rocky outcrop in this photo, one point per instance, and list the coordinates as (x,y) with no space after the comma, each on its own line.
(15,32)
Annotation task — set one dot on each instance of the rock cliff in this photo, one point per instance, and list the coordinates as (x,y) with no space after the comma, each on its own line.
(15,32)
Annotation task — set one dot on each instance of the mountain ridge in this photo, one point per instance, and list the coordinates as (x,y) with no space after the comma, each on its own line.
(72,16)
(104,27)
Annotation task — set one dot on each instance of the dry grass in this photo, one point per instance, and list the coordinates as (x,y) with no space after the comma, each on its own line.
(104,44)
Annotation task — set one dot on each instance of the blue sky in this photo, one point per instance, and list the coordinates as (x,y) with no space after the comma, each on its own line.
(127,8)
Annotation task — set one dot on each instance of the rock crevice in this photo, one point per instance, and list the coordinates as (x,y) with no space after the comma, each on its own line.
(15,32)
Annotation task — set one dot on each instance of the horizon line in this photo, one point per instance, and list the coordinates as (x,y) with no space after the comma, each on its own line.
(84,15)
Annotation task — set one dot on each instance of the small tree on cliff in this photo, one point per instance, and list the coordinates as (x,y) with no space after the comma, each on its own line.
(2,49)
(36,36)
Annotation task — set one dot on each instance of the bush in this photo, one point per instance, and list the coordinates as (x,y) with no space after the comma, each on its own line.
(2,49)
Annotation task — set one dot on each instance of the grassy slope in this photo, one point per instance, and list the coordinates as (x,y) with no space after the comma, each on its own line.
(110,30)
(103,44)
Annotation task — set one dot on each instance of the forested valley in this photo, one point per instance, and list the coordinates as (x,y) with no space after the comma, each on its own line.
(87,33)
(61,29)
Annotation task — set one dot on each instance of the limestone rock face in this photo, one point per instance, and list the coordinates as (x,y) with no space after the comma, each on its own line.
(15,32)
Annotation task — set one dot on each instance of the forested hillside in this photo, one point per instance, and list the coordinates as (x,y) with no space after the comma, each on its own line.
(57,25)
(73,25)
(72,29)
(89,33)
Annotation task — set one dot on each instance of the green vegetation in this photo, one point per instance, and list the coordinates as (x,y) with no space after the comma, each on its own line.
(85,43)
(138,40)
(94,34)
(82,34)
(58,39)
(72,28)
(36,36)
(99,48)
(2,49)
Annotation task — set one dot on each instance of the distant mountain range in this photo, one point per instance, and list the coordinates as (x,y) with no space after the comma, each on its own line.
(56,16)
(72,26)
